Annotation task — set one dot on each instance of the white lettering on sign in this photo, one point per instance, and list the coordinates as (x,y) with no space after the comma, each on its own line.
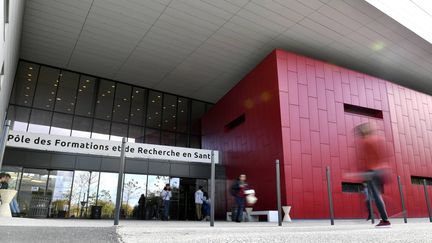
(107,148)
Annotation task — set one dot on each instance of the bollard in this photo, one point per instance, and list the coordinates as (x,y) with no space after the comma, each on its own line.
(278,193)
(427,200)
(329,191)
(402,200)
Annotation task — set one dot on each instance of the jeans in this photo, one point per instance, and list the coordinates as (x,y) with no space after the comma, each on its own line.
(14,206)
(166,205)
(375,185)
(240,201)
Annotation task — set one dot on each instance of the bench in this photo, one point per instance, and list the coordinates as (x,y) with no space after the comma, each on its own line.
(272,215)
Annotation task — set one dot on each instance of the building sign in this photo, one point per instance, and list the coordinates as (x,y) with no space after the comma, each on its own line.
(107,148)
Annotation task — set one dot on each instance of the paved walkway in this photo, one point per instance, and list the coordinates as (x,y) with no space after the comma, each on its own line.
(17,230)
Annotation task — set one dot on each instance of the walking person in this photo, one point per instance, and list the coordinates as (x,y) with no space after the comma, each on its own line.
(238,191)
(142,207)
(206,207)
(199,198)
(166,196)
(372,147)
(4,184)
(367,199)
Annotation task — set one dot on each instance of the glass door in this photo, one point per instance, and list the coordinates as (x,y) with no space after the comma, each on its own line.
(59,186)
(33,197)
(84,193)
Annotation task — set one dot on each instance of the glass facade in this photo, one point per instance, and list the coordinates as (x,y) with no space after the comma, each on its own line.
(55,101)
(74,194)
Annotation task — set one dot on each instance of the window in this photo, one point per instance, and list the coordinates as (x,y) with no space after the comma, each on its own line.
(352,187)
(19,117)
(136,134)
(105,98)
(24,84)
(122,103)
(154,109)
(169,111)
(138,106)
(235,123)
(181,140)
(168,138)
(418,180)
(66,92)
(183,115)
(86,96)
(81,127)
(61,124)
(198,110)
(46,88)
(40,121)
(118,131)
(364,111)
(101,129)
(152,136)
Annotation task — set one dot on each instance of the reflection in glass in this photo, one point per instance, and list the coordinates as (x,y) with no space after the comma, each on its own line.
(15,173)
(155,185)
(134,185)
(105,98)
(61,124)
(66,93)
(19,117)
(46,88)
(59,186)
(33,198)
(86,96)
(40,121)
(168,138)
(181,140)
(24,84)
(107,193)
(84,192)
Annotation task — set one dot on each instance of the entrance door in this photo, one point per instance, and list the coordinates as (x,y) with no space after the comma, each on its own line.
(187,199)
(33,197)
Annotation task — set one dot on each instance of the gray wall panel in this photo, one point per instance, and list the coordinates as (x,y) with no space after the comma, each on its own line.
(136,166)
(88,163)
(110,164)
(14,157)
(179,170)
(200,171)
(62,161)
(159,168)
(38,159)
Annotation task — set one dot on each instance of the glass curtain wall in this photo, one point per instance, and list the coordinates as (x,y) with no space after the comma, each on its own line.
(54,101)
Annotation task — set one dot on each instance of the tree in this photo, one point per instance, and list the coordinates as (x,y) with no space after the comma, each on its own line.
(130,190)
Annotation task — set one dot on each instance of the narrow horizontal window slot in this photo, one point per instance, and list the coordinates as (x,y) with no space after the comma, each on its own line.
(352,187)
(364,111)
(418,180)
(235,123)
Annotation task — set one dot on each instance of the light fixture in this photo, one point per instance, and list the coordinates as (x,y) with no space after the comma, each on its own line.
(108,116)
(58,98)
(27,87)
(25,101)
(57,81)
(69,109)
(72,103)
(47,106)
(174,116)
(153,101)
(124,99)
(98,101)
(132,114)
(29,79)
(164,107)
(138,109)
(137,91)
(113,86)
(60,74)
(156,113)
(26,95)
(29,74)
(118,105)
(88,81)
(182,111)
(158,96)
(103,95)
(173,105)
(49,99)
(179,101)
(52,92)
(31,68)
(125,119)
(55,85)
(80,90)
(89,112)
(84,86)
(109,91)
(166,121)
(149,118)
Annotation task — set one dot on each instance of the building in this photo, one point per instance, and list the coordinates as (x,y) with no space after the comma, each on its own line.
(184,74)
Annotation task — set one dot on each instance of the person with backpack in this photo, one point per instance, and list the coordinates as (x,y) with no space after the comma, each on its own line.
(238,192)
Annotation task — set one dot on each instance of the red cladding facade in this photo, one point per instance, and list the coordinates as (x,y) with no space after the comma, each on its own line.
(302,111)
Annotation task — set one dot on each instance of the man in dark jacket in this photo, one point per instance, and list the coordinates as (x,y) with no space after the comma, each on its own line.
(238,191)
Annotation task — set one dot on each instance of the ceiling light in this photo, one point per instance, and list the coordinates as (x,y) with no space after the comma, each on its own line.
(182,111)
(98,101)
(174,116)
(29,74)
(58,98)
(156,113)
(29,79)
(88,81)
(26,95)
(84,86)
(179,101)
(138,109)
(137,91)
(25,101)
(47,106)
(49,99)
(57,80)
(89,112)
(103,94)
(113,86)
(80,90)
(109,91)
(52,92)
(118,105)
(132,114)
(69,109)
(30,67)
(125,119)
(158,96)
(149,118)
(108,116)
(55,85)
(124,99)
(166,120)
(60,74)
(164,107)
(173,105)
(153,101)
(27,87)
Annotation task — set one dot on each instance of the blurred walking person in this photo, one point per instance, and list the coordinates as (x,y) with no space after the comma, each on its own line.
(199,198)
(372,147)
(238,191)
(166,197)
